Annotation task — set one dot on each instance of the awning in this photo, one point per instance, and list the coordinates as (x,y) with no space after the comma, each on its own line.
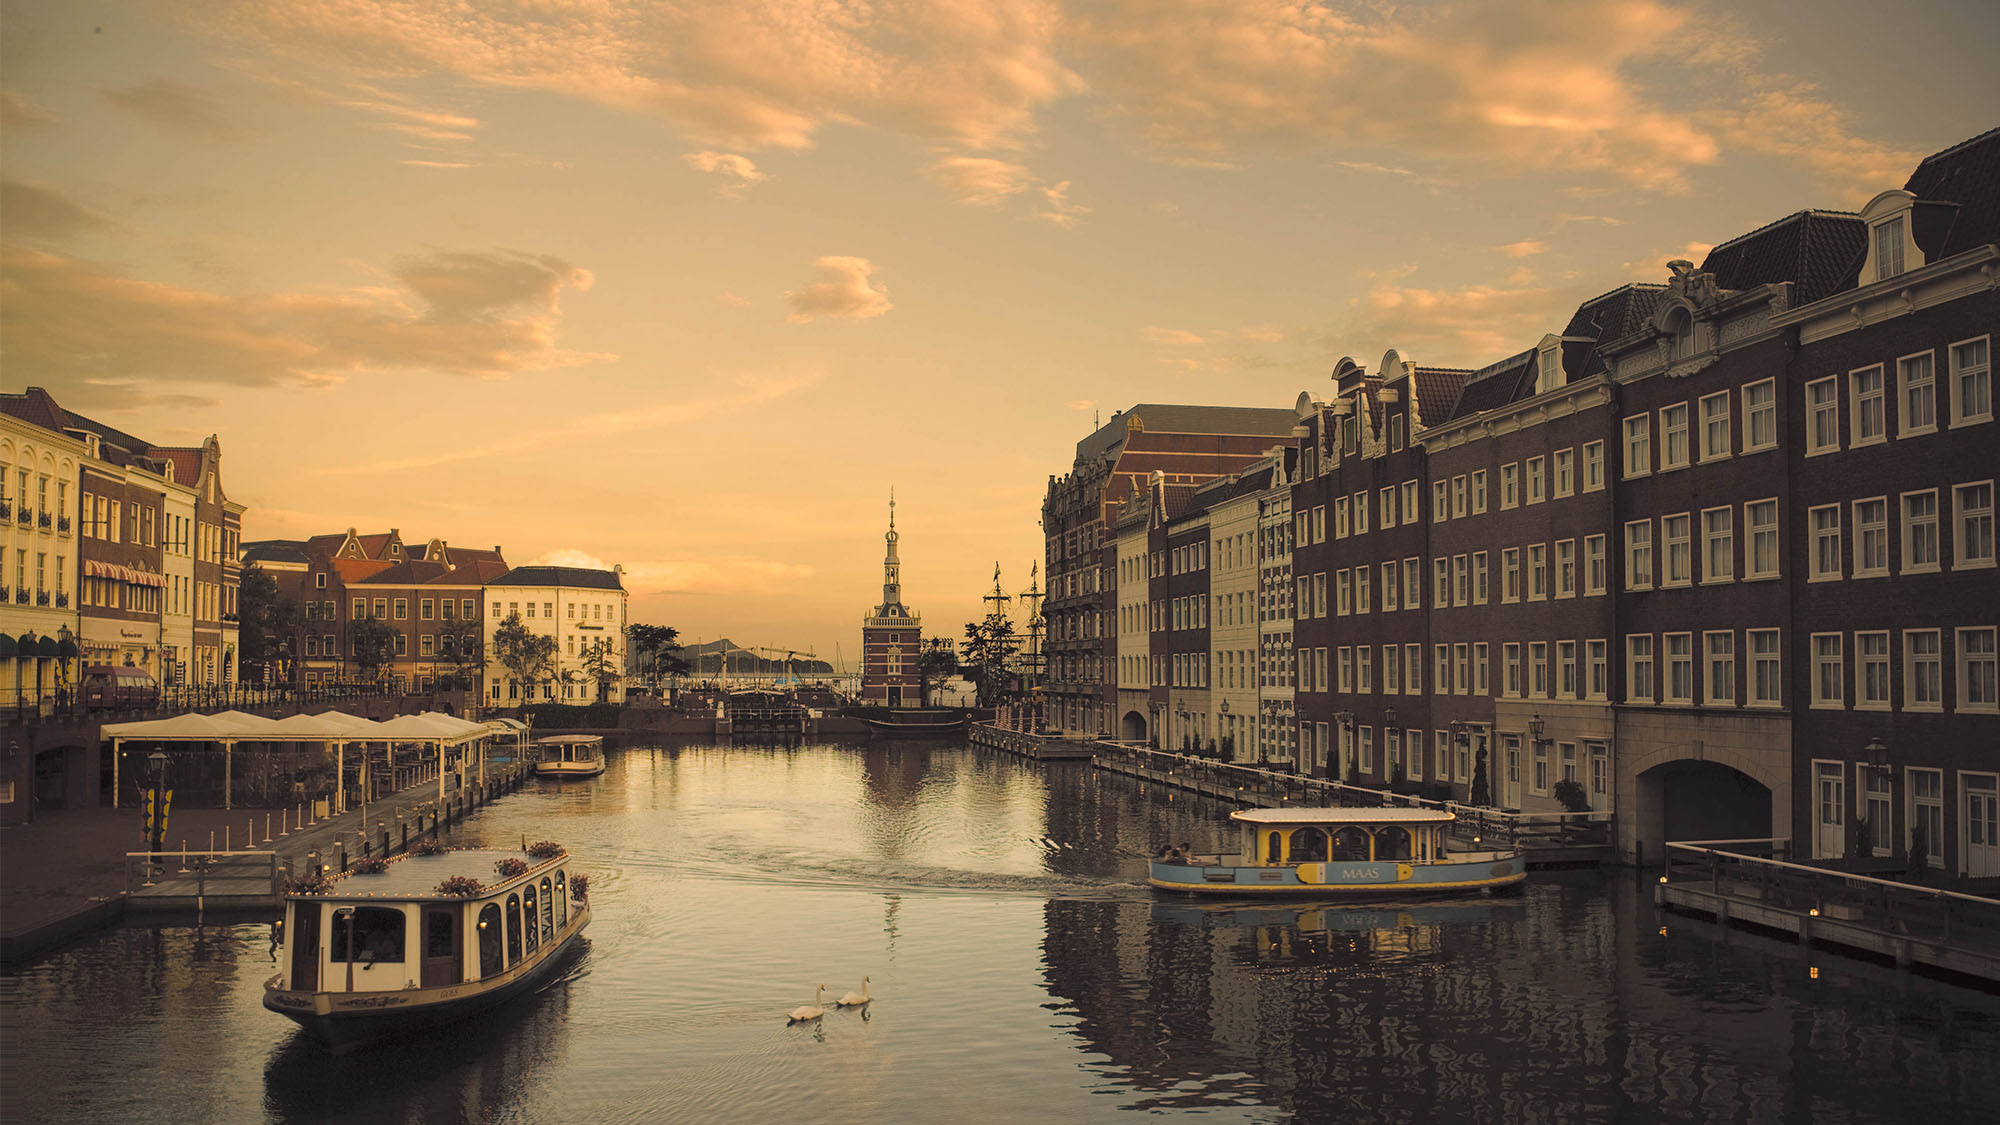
(66,650)
(132,575)
(8,648)
(28,645)
(47,647)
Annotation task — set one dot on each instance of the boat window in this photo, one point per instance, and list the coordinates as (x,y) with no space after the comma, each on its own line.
(529,914)
(376,934)
(440,933)
(1308,845)
(513,928)
(1392,843)
(548,913)
(562,898)
(490,961)
(1350,844)
(1276,854)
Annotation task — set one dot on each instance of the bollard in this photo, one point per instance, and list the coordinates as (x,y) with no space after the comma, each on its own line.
(267,828)
(184,855)
(284,822)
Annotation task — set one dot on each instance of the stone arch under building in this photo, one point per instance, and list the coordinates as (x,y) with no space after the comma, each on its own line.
(1132,728)
(1695,799)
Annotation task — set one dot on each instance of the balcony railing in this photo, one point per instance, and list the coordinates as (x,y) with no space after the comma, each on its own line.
(41,597)
(6,508)
(25,516)
(44,521)
(62,525)
(62,601)
(20,597)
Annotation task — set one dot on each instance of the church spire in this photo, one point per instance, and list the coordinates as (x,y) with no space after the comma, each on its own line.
(892,580)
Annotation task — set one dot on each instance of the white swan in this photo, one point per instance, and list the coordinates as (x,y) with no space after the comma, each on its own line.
(812,1011)
(854,999)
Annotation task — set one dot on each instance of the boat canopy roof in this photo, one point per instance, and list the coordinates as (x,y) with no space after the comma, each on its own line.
(414,878)
(1266,818)
(569,740)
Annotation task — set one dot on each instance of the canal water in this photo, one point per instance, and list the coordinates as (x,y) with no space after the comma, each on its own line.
(1021,972)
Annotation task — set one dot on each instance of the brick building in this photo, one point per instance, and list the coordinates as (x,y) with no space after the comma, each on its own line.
(892,639)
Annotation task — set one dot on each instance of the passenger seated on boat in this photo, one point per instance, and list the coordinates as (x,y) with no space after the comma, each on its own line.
(1308,845)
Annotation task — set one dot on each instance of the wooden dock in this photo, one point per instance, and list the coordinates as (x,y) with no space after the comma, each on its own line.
(1746,883)
(1041,746)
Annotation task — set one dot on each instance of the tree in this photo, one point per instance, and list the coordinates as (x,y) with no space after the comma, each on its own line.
(268,619)
(1569,793)
(655,651)
(460,643)
(527,656)
(600,665)
(937,663)
(988,645)
(1482,792)
(372,642)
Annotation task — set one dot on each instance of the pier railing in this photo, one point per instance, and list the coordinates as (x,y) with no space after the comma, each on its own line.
(1756,871)
(1255,785)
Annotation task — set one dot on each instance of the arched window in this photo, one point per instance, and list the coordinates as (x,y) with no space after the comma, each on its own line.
(548,913)
(1276,852)
(1392,842)
(513,929)
(490,960)
(1350,844)
(529,915)
(1680,333)
(562,899)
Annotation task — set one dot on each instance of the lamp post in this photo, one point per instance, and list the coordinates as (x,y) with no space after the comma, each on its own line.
(65,644)
(1228,735)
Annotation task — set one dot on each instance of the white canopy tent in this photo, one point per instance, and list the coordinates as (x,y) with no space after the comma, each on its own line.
(332,728)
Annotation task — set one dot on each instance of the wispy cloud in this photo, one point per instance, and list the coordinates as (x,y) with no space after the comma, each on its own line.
(36,211)
(1467,326)
(736,172)
(177,106)
(1523,249)
(845,290)
(738,575)
(17,112)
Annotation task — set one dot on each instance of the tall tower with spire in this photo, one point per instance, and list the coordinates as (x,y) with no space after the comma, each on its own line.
(891,637)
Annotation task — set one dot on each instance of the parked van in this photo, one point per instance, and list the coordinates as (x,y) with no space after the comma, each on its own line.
(112,687)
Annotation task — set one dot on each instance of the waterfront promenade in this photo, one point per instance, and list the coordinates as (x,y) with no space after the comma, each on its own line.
(67,871)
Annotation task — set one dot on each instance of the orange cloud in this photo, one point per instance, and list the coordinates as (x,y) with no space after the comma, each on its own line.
(845,291)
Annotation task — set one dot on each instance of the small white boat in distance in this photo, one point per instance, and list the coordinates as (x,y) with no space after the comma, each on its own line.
(1337,852)
(569,755)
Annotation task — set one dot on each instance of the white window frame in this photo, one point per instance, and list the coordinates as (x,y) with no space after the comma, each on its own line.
(1639,571)
(1510,669)
(1760,538)
(1563,465)
(1914,536)
(1923,651)
(1510,485)
(1670,541)
(1977,669)
(1859,401)
(1907,389)
(1510,575)
(1718,652)
(1711,448)
(1828,653)
(1637,447)
(1972,526)
(1596,668)
(1634,659)
(1593,466)
(1823,526)
(1537,481)
(1867,529)
(1440,500)
(1479,492)
(1760,415)
(1677,657)
(1712,539)
(1757,654)
(1565,568)
(1966,375)
(1828,411)
(1479,578)
(1674,430)
(1596,567)
(1872,686)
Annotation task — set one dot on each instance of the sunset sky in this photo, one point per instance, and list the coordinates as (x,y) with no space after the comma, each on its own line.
(690,286)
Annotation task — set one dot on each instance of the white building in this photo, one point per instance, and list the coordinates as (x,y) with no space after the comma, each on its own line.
(1277,730)
(1232,630)
(584,610)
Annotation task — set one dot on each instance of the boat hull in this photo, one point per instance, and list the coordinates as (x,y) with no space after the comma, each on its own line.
(348,1021)
(568,769)
(1492,872)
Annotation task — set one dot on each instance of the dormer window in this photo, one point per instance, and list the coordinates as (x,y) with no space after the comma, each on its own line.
(1889,247)
(1549,369)
(1395,432)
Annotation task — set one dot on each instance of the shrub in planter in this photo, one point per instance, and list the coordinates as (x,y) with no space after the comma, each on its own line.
(461,886)
(371,865)
(427,847)
(579,887)
(545,849)
(1569,793)
(511,868)
(312,883)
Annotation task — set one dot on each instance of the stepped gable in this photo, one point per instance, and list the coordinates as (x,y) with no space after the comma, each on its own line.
(576,576)
(1963,185)
(1819,252)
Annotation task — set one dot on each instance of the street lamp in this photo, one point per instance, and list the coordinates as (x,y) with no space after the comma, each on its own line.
(65,644)
(1877,759)
(1536,726)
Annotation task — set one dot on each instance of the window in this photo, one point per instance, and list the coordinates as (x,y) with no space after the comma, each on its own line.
(1389,603)
(1440,500)
(1538,571)
(1461,580)
(1538,669)
(1638,447)
(1510,574)
(1718,545)
(1392,669)
(1676,537)
(1441,682)
(1565,472)
(1594,575)
(1639,668)
(1720,655)
(1715,435)
(1440,582)
(1972,525)
(360,609)
(1760,416)
(1916,383)
(1510,669)
(1871,671)
(1479,492)
(1865,395)
(1674,436)
(1639,555)
(426,608)
(1361,513)
(1462,655)
(1413,669)
(1923,671)
(1413,583)
(1827,680)
(1538,781)
(1978,684)
(1920,531)
(1387,502)
(1971,382)
(1458,499)
(1361,589)
(1566,669)
(1565,568)
(1825,542)
(1344,662)
(1680,667)
(1822,416)
(1479,578)
(1598,668)
(1510,486)
(1410,514)
(1888,248)
(1871,538)
(402,609)
(1537,481)
(1765,686)
(1480,661)
(1927,811)
(1593,466)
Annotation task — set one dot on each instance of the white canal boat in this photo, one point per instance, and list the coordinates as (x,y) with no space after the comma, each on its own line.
(375,956)
(569,755)
(1340,852)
